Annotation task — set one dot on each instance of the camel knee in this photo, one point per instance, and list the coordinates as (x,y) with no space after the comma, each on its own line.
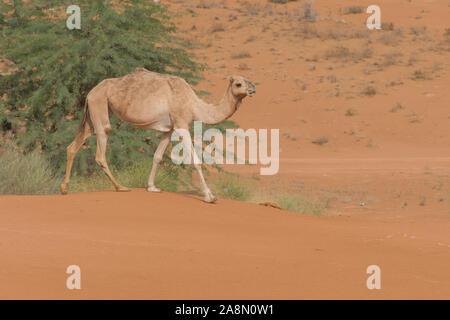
(157,159)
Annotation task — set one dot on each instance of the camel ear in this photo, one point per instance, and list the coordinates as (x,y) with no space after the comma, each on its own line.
(231,78)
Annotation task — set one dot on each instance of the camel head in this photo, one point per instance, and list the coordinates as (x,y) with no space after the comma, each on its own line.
(241,87)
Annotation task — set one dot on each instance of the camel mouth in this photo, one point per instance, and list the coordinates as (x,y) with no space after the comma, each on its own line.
(250,93)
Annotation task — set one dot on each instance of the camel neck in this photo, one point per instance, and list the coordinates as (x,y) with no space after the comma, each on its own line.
(215,113)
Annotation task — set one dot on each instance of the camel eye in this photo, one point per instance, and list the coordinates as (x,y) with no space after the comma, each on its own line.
(238,85)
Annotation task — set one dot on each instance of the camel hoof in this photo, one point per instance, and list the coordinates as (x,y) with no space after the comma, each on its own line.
(210,198)
(123,189)
(63,188)
(153,189)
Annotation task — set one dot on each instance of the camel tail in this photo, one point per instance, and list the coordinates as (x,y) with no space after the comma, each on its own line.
(85,117)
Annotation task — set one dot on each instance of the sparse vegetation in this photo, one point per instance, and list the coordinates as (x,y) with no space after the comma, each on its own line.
(391,38)
(26,174)
(415,118)
(417,31)
(243,67)
(309,14)
(31,173)
(217,27)
(135,176)
(345,54)
(281,1)
(241,55)
(320,141)
(420,75)
(390,59)
(397,107)
(232,188)
(369,91)
(351,112)
(296,203)
(353,9)
(388,26)
(250,39)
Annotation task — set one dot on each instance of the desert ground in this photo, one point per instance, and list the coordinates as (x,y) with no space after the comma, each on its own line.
(364,128)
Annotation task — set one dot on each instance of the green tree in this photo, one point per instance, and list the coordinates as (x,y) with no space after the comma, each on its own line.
(56,67)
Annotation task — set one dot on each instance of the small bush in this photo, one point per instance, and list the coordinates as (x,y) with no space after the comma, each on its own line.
(389,26)
(345,54)
(308,13)
(447,32)
(391,38)
(307,31)
(296,203)
(417,31)
(281,1)
(241,55)
(232,188)
(320,141)
(26,174)
(353,9)
(397,107)
(351,112)
(218,27)
(369,91)
(419,75)
(391,59)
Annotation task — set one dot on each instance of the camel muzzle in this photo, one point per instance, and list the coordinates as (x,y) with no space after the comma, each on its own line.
(251,90)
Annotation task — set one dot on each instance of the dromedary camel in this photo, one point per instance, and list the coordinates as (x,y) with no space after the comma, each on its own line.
(151,100)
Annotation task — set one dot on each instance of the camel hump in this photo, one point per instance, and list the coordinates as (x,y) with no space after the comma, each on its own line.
(141,70)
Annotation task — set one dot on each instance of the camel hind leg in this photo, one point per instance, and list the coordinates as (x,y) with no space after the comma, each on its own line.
(84,132)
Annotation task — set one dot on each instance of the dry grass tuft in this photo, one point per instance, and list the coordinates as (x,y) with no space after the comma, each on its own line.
(241,55)
(354,10)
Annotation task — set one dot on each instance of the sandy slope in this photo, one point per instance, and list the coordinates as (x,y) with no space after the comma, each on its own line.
(141,245)
(380,154)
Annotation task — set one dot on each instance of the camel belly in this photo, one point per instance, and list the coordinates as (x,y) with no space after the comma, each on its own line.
(161,123)
(164,124)
(154,116)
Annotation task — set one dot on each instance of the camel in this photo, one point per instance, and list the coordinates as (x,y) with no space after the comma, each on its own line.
(155,101)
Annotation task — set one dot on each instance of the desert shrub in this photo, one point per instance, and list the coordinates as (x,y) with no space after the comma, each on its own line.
(308,13)
(281,1)
(391,58)
(351,112)
(57,67)
(388,26)
(26,173)
(369,91)
(345,54)
(420,75)
(320,141)
(297,203)
(307,31)
(353,9)
(241,55)
(217,27)
(233,188)
(397,107)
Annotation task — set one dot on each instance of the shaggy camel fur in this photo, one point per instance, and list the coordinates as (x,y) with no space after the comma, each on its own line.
(155,101)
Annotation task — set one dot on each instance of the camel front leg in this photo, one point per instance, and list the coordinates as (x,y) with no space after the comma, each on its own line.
(157,157)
